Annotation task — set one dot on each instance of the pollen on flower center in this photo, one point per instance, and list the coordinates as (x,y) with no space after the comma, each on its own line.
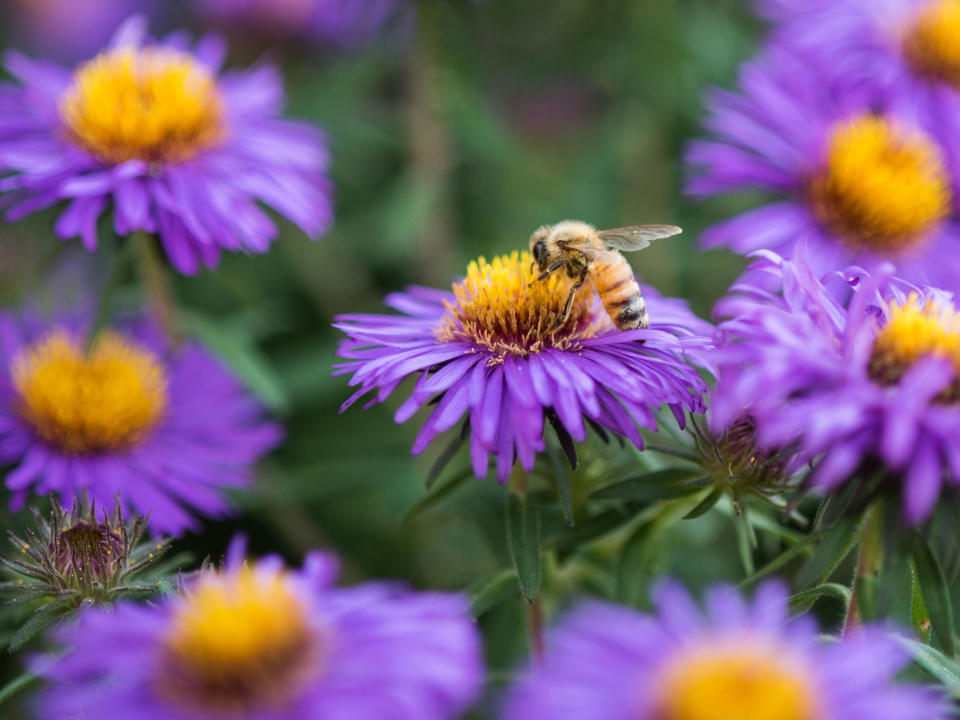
(87,402)
(500,306)
(153,104)
(932,44)
(735,684)
(240,640)
(915,330)
(882,188)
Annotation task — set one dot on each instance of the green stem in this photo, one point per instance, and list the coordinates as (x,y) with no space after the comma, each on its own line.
(116,260)
(428,137)
(16,685)
(535,630)
(156,284)
(869,564)
(534,609)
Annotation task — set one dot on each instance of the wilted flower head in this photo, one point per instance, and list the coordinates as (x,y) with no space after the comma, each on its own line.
(151,130)
(338,23)
(257,642)
(870,379)
(80,557)
(737,661)
(858,170)
(493,348)
(67,30)
(163,429)
(889,42)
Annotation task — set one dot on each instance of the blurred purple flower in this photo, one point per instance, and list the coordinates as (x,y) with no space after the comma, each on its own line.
(488,348)
(163,430)
(906,46)
(340,23)
(151,130)
(68,30)
(873,377)
(856,167)
(262,643)
(738,661)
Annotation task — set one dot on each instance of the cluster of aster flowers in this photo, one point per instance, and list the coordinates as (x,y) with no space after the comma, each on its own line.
(846,369)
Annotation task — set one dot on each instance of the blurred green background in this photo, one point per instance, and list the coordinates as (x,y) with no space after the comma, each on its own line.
(452,139)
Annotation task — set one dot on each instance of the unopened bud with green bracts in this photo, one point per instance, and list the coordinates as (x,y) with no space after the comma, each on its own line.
(78,558)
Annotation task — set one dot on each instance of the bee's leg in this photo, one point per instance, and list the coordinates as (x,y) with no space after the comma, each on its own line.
(569,305)
(556,266)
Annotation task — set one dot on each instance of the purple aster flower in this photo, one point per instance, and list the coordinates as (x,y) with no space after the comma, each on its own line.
(490,349)
(871,378)
(66,29)
(152,130)
(856,169)
(910,46)
(165,430)
(342,23)
(737,661)
(261,643)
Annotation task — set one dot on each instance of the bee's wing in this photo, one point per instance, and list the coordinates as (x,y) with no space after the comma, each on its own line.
(636,237)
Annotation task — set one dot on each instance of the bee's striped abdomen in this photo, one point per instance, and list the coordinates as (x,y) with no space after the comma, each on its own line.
(613,278)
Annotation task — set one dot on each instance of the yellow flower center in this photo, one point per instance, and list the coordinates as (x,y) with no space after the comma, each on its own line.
(883,188)
(932,44)
(239,641)
(153,104)
(736,684)
(106,399)
(501,307)
(915,330)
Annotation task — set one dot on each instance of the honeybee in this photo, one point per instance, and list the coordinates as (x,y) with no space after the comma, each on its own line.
(586,252)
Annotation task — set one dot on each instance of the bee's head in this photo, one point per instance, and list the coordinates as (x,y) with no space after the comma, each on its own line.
(538,246)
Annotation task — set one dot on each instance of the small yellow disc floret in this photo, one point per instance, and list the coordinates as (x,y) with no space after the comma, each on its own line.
(883,188)
(106,399)
(153,104)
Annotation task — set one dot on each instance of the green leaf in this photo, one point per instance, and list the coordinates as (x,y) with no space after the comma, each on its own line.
(936,596)
(635,558)
(706,505)
(781,560)
(569,539)
(437,493)
(523,541)
(804,600)
(43,618)
(919,615)
(945,670)
(746,540)
(16,685)
(836,544)
(667,484)
(243,356)
(562,480)
(489,592)
(447,454)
